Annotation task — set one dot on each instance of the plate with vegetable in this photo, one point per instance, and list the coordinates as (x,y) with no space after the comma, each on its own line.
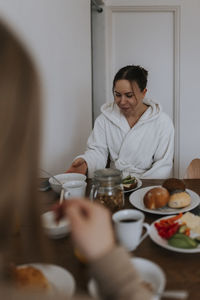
(131,183)
(179,233)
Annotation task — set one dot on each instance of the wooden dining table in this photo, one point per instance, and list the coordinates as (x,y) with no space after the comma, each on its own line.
(182,270)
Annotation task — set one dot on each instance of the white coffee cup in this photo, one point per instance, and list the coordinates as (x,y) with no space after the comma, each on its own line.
(128,225)
(74,189)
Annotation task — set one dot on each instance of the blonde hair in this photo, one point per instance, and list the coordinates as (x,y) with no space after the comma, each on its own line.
(19,144)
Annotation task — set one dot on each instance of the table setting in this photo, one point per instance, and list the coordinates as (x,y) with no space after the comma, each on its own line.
(175,268)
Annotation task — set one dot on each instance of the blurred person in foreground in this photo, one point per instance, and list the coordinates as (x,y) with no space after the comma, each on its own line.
(132,132)
(91,227)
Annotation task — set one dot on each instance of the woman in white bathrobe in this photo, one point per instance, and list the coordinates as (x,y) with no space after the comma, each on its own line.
(132,131)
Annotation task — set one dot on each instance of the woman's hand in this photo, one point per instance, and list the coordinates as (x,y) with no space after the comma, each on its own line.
(78,166)
(91,227)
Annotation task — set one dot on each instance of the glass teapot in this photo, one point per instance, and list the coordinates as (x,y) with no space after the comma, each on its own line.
(107,188)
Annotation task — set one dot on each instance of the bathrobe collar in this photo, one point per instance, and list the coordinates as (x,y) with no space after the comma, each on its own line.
(112,112)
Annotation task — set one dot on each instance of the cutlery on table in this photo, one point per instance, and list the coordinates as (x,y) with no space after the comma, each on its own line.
(61,196)
(51,176)
(175,294)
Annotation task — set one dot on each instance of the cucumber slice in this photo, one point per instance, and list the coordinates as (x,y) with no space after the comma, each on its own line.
(180,240)
(126,178)
(129,180)
(182,228)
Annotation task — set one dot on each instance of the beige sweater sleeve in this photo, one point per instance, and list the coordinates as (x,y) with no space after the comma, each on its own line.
(117,279)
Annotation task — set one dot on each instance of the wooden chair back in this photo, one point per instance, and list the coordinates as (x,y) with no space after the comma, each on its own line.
(193,170)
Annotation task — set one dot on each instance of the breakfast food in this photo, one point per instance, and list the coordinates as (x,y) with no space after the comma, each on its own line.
(112,202)
(129,183)
(179,200)
(156,198)
(173,185)
(29,277)
(179,230)
(192,221)
(167,227)
(179,240)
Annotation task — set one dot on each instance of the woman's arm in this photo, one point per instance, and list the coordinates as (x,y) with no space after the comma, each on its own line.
(116,277)
(110,265)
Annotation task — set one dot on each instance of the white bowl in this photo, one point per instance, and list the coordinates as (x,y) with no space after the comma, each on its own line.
(149,272)
(52,229)
(63,178)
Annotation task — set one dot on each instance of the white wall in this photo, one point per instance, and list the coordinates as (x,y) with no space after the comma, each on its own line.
(189,137)
(58,34)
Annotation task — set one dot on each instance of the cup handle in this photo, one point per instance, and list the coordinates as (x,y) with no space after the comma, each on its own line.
(146,233)
(67,194)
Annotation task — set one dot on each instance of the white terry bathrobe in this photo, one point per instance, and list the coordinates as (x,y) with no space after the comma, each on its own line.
(146,150)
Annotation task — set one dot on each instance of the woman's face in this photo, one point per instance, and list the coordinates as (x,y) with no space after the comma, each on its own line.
(128,96)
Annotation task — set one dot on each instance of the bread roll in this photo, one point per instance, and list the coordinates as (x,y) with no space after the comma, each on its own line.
(156,198)
(179,200)
(174,184)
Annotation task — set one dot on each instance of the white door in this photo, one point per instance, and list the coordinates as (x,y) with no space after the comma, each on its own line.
(146,36)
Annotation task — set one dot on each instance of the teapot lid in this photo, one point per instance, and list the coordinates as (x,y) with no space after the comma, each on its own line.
(108,175)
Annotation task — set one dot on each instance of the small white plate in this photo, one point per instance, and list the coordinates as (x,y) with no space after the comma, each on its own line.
(61,280)
(149,272)
(139,184)
(136,199)
(153,233)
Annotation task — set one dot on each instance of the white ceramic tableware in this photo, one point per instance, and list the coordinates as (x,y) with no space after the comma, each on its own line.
(149,272)
(156,238)
(52,229)
(63,178)
(128,225)
(139,184)
(136,199)
(62,282)
(74,189)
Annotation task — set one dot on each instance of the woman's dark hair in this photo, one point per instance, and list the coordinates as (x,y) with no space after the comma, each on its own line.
(132,73)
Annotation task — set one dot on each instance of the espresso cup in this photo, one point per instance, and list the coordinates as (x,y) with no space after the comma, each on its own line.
(74,189)
(128,224)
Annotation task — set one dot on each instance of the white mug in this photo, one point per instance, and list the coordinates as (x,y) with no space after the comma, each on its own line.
(74,188)
(128,225)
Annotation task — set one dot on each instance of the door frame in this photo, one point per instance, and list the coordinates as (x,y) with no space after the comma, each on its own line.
(109,10)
